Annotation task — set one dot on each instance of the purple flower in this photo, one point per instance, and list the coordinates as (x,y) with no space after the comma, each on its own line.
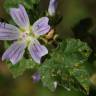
(36,77)
(52,7)
(24,36)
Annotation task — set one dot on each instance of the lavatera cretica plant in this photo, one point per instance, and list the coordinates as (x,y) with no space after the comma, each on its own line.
(24,36)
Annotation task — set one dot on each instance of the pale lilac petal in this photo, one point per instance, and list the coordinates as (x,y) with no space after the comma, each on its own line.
(20,16)
(52,7)
(41,27)
(8,32)
(36,77)
(37,51)
(15,52)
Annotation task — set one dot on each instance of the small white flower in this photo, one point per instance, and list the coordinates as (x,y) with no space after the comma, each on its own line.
(55,84)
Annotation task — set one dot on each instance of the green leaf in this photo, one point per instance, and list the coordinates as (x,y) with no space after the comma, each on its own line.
(62,65)
(18,69)
(49,70)
(76,54)
(14,3)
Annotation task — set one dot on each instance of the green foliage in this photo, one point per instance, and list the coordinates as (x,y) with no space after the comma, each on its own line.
(18,69)
(49,71)
(76,55)
(66,66)
(14,3)
(41,91)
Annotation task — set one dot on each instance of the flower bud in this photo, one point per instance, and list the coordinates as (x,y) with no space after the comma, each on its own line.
(52,7)
(36,77)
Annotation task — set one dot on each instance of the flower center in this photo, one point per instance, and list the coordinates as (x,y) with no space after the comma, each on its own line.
(24,35)
(27,35)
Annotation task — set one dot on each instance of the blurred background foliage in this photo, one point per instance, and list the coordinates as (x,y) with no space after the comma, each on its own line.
(79,17)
